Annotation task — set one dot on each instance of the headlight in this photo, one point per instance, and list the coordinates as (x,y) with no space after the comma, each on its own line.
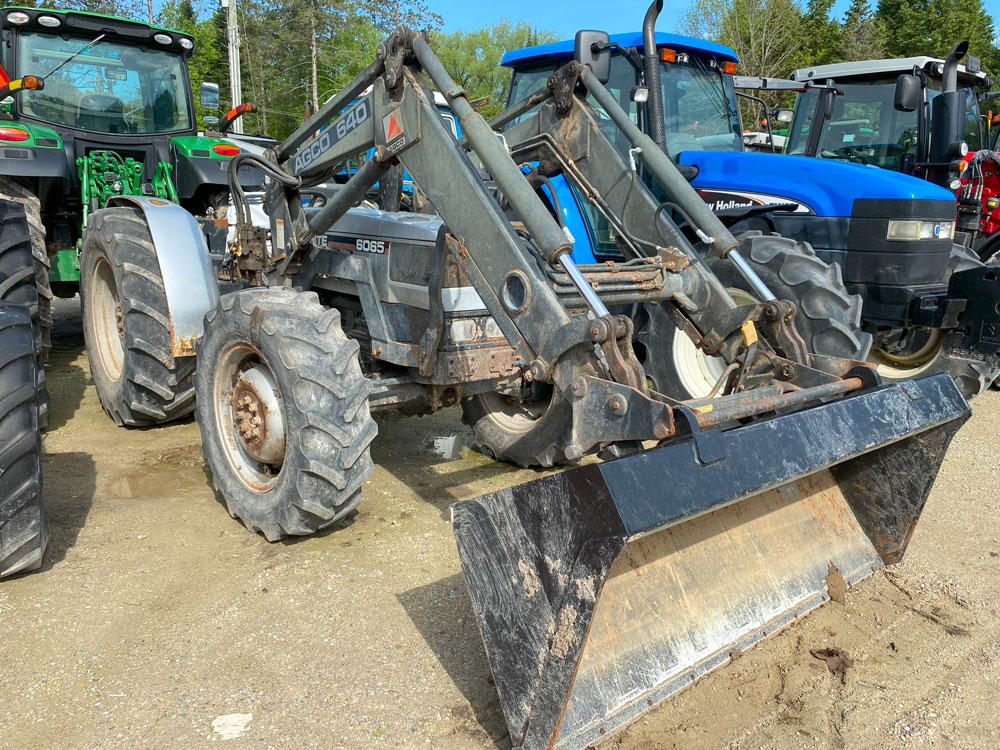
(908,229)
(162,38)
(186,43)
(49,21)
(17,17)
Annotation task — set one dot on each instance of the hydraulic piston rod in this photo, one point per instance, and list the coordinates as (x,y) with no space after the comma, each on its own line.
(747,272)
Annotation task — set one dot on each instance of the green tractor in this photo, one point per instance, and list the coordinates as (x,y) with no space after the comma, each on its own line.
(97,129)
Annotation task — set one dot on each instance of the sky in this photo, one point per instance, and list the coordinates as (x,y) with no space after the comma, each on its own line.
(566,17)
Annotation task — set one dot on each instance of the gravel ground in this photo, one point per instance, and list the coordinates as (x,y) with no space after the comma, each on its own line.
(158,621)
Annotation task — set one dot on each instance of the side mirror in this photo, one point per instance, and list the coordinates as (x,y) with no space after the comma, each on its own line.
(20,84)
(208,94)
(593,48)
(908,93)
(784,115)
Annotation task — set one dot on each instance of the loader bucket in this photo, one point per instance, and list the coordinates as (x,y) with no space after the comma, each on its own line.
(607,588)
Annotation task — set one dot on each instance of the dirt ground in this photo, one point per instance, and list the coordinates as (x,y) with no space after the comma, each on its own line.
(158,621)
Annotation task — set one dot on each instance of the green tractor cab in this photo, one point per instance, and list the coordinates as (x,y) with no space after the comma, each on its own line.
(97,112)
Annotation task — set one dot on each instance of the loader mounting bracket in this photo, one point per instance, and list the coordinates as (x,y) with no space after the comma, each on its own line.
(604,411)
(563,84)
(709,445)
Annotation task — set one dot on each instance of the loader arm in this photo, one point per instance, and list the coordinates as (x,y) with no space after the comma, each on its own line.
(588,357)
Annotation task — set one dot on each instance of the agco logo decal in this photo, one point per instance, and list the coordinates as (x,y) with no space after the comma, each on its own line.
(326,139)
(395,139)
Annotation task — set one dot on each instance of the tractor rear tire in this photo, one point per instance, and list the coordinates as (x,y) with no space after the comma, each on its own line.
(23,529)
(283,411)
(828,318)
(24,279)
(526,433)
(126,324)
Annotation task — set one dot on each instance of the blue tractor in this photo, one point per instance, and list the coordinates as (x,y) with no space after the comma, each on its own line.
(892,235)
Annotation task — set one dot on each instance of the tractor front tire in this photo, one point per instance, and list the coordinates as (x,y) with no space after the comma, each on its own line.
(523,432)
(126,324)
(283,411)
(23,530)
(828,318)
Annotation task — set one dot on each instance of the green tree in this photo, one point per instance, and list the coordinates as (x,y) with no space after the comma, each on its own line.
(473,58)
(934,27)
(767,35)
(822,33)
(862,35)
(386,15)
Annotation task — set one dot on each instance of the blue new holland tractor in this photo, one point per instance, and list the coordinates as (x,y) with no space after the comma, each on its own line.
(891,236)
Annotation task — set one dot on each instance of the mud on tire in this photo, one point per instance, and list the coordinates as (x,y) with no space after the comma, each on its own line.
(316,379)
(23,529)
(126,323)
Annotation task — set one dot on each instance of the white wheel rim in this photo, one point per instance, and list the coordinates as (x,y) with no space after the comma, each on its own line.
(513,416)
(895,369)
(105,315)
(698,372)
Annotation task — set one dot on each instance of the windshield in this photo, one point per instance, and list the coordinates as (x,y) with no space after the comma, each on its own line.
(697,109)
(110,88)
(696,103)
(864,126)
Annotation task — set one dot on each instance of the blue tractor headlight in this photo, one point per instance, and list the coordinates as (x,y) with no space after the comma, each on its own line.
(912,230)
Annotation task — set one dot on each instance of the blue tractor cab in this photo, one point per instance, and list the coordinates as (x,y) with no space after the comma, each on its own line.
(855,215)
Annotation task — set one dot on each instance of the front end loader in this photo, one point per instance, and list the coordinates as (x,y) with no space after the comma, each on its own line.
(701,527)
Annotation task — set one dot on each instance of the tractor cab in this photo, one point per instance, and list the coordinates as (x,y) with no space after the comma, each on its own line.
(919,116)
(699,101)
(870,123)
(104,86)
(107,113)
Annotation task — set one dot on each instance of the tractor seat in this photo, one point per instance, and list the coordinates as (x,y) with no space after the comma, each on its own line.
(103,113)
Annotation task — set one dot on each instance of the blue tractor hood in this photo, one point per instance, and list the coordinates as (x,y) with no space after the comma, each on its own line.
(828,188)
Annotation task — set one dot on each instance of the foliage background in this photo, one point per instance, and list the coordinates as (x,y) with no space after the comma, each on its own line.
(299,51)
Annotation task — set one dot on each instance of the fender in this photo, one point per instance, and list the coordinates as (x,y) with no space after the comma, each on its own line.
(189,281)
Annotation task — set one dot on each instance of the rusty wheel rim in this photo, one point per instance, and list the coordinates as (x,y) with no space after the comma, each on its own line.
(241,405)
(911,364)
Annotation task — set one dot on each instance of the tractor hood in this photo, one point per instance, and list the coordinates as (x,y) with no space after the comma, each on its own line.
(825,187)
